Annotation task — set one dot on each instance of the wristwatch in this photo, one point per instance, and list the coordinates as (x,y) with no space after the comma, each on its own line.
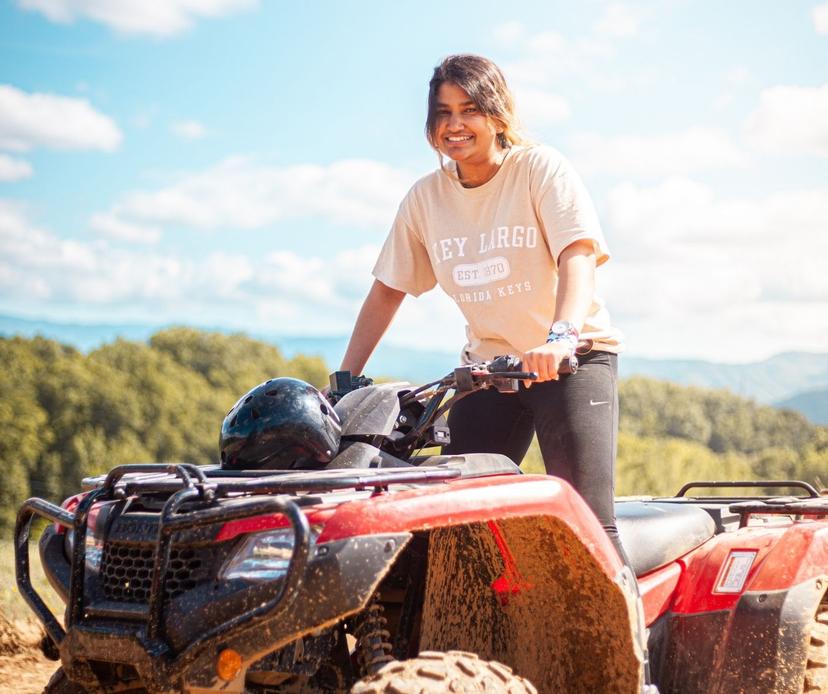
(563,330)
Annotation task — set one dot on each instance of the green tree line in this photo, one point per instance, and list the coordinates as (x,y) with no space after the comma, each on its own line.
(672,434)
(65,415)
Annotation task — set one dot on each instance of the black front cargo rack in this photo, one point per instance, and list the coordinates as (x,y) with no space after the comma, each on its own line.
(258,493)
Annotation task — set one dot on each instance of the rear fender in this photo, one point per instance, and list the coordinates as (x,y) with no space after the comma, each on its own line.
(780,557)
(763,641)
(732,624)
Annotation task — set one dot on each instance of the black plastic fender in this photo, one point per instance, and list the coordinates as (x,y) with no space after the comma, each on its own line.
(759,647)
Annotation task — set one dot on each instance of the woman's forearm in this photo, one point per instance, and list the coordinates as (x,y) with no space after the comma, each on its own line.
(375,316)
(576,283)
(576,286)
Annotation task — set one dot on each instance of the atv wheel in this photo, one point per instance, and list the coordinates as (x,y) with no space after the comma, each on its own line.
(816,667)
(432,672)
(61,684)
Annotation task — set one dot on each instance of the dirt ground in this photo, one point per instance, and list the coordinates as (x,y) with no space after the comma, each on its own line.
(23,668)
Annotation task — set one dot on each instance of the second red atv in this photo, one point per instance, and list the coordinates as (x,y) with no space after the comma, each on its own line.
(381,571)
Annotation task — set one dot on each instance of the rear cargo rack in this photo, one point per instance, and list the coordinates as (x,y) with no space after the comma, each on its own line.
(740,484)
(809,504)
(782,506)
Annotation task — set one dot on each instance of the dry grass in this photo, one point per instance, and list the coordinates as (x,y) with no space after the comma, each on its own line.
(11,602)
(23,667)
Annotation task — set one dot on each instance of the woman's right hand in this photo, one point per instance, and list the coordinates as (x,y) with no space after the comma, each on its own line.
(545,360)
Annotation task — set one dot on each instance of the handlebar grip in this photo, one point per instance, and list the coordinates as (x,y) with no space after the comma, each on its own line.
(510,365)
(568,365)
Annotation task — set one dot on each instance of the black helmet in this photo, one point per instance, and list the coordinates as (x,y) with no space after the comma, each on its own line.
(282,423)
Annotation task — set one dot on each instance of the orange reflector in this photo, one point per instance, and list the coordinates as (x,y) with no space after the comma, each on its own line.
(228,664)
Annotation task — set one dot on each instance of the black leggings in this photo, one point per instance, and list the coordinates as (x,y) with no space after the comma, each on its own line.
(575,418)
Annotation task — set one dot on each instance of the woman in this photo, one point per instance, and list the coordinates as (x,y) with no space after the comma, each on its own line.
(509,232)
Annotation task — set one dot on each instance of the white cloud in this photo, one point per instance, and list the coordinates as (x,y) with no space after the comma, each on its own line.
(542,56)
(277,292)
(698,274)
(36,264)
(820,16)
(680,214)
(790,120)
(109,225)
(739,75)
(239,193)
(682,152)
(153,17)
(538,107)
(57,122)
(618,20)
(189,130)
(145,117)
(737,80)
(12,169)
(509,32)
(537,59)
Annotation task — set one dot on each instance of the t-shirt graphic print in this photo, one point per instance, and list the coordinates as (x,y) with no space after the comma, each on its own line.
(494,248)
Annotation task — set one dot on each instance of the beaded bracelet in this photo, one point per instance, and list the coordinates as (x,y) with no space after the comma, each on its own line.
(570,338)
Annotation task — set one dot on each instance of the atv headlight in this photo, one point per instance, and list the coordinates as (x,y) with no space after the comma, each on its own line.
(69,543)
(263,556)
(94,549)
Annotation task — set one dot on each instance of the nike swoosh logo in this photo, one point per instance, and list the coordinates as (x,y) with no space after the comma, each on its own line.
(602,402)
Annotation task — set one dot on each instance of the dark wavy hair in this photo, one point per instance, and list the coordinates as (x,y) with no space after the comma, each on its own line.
(483,81)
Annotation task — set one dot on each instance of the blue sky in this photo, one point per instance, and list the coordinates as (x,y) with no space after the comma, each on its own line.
(238,163)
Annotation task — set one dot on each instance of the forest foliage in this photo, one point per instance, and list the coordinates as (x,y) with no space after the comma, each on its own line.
(65,415)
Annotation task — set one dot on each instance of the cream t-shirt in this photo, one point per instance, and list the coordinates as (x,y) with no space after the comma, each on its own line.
(494,250)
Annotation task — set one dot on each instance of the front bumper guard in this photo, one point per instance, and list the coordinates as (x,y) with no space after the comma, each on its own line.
(261,628)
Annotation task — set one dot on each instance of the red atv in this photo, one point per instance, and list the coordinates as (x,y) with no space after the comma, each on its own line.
(382,571)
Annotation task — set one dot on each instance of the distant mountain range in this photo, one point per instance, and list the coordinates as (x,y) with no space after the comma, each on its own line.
(794,380)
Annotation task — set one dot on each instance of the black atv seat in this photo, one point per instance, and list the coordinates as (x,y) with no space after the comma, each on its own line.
(654,534)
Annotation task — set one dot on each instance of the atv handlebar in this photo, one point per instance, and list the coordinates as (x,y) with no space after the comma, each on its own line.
(504,373)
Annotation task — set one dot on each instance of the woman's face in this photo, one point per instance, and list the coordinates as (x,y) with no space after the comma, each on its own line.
(462,132)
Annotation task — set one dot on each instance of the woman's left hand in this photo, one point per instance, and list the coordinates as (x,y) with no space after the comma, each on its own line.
(544,360)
